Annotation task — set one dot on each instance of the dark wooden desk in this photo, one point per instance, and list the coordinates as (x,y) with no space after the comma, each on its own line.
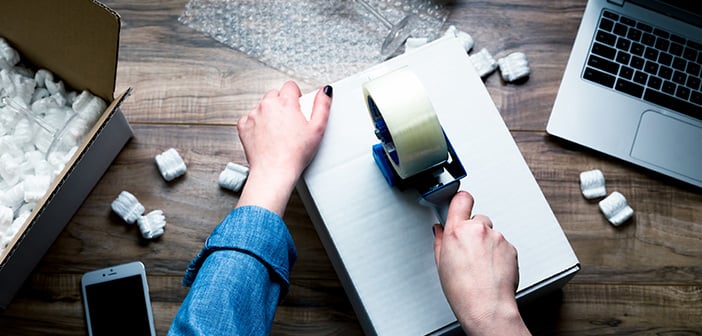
(642,278)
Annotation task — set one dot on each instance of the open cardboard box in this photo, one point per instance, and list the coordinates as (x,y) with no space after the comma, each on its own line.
(78,41)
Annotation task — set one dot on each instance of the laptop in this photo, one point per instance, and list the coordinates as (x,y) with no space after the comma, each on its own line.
(632,86)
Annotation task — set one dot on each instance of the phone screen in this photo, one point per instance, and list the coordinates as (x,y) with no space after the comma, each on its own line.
(118,307)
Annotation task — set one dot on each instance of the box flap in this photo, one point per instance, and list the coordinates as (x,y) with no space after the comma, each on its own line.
(77,40)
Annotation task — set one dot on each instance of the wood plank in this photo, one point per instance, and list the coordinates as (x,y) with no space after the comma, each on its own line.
(614,309)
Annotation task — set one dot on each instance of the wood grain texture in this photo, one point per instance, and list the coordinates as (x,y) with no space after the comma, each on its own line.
(642,278)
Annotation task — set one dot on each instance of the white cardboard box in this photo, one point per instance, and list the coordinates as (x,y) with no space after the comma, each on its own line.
(379,239)
(78,41)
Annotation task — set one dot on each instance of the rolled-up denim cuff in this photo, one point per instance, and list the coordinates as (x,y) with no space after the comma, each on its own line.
(252,230)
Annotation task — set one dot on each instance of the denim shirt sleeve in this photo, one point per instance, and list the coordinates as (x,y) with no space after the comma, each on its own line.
(239,276)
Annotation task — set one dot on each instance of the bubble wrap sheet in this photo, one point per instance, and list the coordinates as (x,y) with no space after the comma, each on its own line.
(318,41)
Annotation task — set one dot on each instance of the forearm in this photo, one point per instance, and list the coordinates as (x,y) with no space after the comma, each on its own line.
(504,320)
(268,190)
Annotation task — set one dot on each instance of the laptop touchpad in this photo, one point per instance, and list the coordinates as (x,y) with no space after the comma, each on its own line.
(669,143)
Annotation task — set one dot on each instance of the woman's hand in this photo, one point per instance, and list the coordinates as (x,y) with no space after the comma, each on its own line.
(478,271)
(279,143)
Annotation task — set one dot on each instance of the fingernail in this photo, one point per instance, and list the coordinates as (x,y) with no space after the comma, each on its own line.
(328,90)
(433,230)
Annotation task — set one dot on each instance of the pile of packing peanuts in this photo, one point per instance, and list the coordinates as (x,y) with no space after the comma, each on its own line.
(42,124)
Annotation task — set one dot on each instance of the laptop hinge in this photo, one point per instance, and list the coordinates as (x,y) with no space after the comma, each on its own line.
(619,3)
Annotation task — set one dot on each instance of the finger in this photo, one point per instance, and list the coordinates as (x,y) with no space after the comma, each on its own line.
(321,106)
(241,123)
(270,94)
(482,219)
(438,239)
(516,262)
(460,208)
(290,90)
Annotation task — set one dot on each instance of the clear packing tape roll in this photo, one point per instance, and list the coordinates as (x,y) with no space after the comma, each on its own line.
(406,123)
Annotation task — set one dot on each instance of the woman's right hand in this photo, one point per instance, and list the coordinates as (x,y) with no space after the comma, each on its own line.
(478,271)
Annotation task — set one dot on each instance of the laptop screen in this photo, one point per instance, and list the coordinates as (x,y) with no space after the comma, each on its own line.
(685,10)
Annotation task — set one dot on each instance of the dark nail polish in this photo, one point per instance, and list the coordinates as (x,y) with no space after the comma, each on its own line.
(328,91)
(433,230)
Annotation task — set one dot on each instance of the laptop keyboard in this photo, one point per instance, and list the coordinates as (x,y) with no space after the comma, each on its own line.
(646,62)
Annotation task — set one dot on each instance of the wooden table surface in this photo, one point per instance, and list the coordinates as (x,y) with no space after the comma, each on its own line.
(642,278)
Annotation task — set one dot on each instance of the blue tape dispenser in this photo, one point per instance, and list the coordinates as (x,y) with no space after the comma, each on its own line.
(414,151)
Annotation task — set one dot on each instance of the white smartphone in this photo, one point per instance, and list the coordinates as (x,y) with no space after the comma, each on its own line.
(117,302)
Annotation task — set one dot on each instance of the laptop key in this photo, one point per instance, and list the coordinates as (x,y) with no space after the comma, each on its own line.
(623,57)
(665,72)
(603,50)
(669,87)
(599,77)
(629,88)
(640,77)
(690,54)
(651,54)
(665,58)
(606,38)
(682,93)
(623,44)
(651,67)
(676,49)
(648,39)
(626,72)
(606,24)
(620,29)
(637,62)
(673,103)
(662,44)
(696,97)
(603,64)
(654,82)
(637,49)
(634,34)
(693,83)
